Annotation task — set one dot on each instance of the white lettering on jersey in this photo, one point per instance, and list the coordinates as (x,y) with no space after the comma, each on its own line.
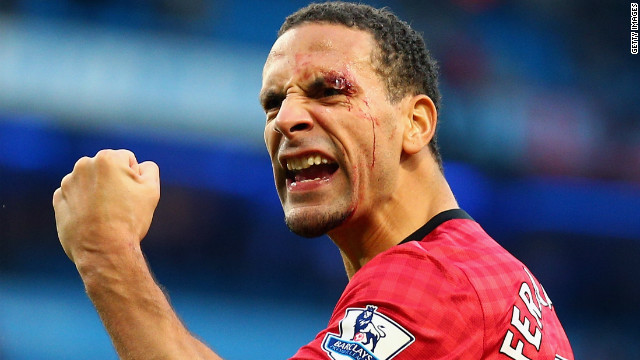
(514,353)
(533,302)
(524,326)
(527,297)
(543,302)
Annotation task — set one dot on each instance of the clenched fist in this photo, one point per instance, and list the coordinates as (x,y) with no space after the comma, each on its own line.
(105,205)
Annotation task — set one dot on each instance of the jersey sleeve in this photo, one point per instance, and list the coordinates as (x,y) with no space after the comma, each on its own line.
(403,304)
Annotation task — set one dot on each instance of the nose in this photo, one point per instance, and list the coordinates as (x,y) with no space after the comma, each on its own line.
(292,118)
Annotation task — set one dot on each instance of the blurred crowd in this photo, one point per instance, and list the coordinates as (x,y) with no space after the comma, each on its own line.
(539,86)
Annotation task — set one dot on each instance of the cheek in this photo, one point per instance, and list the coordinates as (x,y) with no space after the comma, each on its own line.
(267,138)
(369,129)
(356,130)
(271,140)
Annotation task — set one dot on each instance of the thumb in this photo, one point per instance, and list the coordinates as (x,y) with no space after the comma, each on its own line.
(133,162)
(149,171)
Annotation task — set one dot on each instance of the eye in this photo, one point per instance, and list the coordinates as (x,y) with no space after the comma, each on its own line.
(334,85)
(271,103)
(326,88)
(330,91)
(326,91)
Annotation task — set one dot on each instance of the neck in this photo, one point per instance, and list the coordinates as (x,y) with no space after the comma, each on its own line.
(417,198)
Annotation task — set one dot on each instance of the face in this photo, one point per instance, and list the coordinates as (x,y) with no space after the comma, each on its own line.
(332,135)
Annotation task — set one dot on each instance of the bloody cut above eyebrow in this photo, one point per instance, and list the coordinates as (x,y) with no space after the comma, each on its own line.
(338,81)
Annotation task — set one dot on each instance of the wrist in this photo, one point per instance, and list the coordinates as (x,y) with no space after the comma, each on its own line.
(101,268)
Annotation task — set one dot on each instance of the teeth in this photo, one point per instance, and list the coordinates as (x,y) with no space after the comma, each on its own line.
(306,180)
(305,162)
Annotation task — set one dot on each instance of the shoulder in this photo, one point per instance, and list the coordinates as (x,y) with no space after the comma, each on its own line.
(456,255)
(446,263)
(403,268)
(420,295)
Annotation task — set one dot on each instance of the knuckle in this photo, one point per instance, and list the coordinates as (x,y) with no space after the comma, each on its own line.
(56,196)
(109,156)
(64,183)
(81,163)
(153,166)
(104,158)
(103,154)
(125,152)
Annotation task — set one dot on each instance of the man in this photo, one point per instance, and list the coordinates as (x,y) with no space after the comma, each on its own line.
(350,95)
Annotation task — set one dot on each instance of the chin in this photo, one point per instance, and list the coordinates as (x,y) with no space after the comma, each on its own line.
(315,223)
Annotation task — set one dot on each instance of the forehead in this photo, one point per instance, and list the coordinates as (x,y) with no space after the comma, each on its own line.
(323,46)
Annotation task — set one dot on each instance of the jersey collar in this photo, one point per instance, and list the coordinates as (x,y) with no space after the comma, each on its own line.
(436,221)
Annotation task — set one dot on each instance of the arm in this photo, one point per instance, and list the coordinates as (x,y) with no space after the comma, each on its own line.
(103,210)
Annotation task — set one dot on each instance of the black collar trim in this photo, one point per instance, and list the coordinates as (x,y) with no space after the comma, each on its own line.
(435,222)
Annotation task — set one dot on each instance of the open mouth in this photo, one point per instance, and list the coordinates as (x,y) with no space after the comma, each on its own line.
(309,168)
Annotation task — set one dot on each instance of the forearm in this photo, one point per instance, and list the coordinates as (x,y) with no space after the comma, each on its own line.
(103,210)
(135,311)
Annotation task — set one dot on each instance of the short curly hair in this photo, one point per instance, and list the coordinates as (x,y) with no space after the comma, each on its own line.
(403,61)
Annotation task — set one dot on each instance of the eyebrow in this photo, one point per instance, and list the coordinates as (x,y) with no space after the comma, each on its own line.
(270,98)
(316,84)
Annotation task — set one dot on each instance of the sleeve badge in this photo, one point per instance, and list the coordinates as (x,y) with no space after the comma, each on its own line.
(366,334)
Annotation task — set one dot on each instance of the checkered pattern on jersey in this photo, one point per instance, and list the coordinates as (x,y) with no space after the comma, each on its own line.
(454,290)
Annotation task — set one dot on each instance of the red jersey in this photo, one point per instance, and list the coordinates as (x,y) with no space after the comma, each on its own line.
(448,291)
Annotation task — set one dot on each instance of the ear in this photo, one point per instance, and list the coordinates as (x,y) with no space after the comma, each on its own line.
(421,118)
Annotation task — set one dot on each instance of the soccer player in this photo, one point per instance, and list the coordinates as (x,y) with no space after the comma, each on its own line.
(351,102)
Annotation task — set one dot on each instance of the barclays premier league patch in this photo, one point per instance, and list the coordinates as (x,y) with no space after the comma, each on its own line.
(366,334)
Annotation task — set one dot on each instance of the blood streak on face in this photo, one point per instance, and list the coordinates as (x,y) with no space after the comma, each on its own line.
(373,132)
(374,122)
(321,95)
(341,82)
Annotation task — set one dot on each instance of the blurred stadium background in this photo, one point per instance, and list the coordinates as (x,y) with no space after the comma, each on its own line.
(540,130)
